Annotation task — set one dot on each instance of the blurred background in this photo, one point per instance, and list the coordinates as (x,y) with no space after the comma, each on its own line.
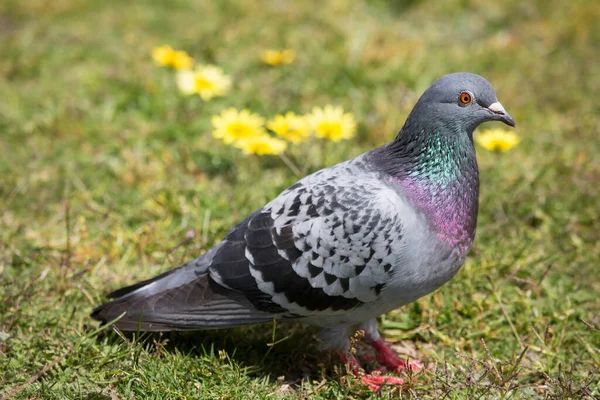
(110,174)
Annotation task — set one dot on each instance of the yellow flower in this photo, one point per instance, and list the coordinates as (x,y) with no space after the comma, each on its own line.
(206,80)
(233,125)
(290,126)
(497,140)
(276,57)
(167,57)
(182,60)
(332,123)
(163,55)
(261,145)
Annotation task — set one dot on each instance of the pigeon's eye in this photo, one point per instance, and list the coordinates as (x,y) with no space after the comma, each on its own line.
(465,98)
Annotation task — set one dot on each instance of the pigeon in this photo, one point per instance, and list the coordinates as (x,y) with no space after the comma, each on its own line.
(343,245)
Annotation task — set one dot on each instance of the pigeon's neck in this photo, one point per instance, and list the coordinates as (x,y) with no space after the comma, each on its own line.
(438,173)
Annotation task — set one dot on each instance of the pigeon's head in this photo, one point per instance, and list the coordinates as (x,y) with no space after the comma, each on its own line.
(463,101)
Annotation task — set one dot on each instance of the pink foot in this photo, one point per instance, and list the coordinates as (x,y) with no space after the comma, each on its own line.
(375,382)
(387,357)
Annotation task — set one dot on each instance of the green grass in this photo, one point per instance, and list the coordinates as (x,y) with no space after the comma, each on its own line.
(104,167)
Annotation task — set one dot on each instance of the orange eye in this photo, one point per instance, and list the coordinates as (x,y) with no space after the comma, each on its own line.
(465,98)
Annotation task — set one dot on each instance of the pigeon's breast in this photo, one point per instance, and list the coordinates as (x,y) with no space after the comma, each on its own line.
(423,264)
(435,245)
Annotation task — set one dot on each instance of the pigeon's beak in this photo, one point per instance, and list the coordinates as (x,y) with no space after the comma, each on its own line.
(500,114)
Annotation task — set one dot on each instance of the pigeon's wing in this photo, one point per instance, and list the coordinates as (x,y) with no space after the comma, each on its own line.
(324,246)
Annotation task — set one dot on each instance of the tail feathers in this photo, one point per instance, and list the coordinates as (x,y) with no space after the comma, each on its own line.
(185,298)
(132,288)
(214,316)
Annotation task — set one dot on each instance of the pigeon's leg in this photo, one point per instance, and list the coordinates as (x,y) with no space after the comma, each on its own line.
(350,361)
(373,382)
(385,355)
(336,338)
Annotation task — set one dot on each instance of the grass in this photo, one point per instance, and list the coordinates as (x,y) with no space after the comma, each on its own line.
(104,167)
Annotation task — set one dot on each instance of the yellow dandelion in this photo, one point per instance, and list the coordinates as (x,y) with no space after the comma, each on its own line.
(499,140)
(332,123)
(163,55)
(290,126)
(276,57)
(168,57)
(233,125)
(261,145)
(182,60)
(208,81)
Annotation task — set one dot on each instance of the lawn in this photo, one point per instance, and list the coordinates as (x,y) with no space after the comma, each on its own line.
(106,170)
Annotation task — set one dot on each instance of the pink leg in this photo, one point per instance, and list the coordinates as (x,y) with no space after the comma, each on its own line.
(350,361)
(387,357)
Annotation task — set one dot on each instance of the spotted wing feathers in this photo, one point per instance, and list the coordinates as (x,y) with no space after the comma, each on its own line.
(324,246)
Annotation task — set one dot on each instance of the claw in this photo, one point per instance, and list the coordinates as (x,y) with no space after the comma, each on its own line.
(414,365)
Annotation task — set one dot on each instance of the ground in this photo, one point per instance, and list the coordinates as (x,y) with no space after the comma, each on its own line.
(106,170)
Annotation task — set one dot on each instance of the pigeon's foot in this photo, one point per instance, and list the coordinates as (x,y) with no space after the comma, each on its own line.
(373,382)
(387,357)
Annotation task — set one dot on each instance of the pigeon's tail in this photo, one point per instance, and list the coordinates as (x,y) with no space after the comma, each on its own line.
(183,299)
